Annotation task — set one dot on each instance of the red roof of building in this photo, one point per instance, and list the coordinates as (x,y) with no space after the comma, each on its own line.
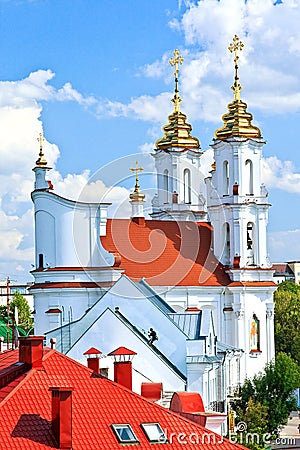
(93,351)
(97,403)
(122,351)
(165,253)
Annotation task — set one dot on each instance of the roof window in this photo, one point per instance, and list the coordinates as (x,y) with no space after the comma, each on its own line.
(124,433)
(154,432)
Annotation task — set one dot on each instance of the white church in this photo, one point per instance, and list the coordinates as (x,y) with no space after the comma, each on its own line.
(197,271)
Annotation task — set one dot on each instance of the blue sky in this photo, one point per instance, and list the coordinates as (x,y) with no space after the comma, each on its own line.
(93,75)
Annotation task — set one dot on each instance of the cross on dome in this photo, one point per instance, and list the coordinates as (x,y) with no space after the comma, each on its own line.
(176,61)
(137,194)
(41,161)
(234,47)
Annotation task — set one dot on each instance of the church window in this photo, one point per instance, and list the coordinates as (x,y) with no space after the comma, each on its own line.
(254,334)
(166,186)
(250,246)
(226,243)
(225,178)
(249,177)
(187,185)
(41,261)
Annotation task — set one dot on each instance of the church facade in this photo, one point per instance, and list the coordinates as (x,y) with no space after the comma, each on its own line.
(204,246)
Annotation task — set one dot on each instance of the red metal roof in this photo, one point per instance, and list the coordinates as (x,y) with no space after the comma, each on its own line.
(122,351)
(25,413)
(92,351)
(165,253)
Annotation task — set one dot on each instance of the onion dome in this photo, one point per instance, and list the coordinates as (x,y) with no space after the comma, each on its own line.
(177,131)
(237,121)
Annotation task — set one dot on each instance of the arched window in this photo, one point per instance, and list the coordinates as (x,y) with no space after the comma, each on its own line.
(250,244)
(226,244)
(249,177)
(166,186)
(254,334)
(225,178)
(187,186)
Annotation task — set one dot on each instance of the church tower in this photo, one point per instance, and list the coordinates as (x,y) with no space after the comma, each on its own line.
(237,203)
(237,199)
(177,161)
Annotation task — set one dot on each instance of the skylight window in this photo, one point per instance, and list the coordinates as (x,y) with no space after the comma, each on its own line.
(154,432)
(125,434)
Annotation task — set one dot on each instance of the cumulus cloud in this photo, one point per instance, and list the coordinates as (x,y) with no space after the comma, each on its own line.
(280,175)
(20,118)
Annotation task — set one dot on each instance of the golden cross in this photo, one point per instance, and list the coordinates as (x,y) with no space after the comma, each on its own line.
(176,61)
(136,169)
(41,139)
(235,46)
(41,162)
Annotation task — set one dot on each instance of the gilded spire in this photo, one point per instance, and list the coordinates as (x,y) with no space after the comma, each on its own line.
(235,46)
(41,161)
(176,61)
(137,194)
(177,131)
(237,121)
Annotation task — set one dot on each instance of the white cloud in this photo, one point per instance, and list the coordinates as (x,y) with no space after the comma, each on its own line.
(280,175)
(284,245)
(269,63)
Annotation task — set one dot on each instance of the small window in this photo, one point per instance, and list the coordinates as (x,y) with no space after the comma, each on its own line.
(125,434)
(154,432)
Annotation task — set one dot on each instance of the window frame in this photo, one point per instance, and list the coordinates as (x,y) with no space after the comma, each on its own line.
(154,441)
(114,427)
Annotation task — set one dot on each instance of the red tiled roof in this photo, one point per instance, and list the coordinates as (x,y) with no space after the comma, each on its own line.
(253,284)
(25,414)
(165,253)
(71,284)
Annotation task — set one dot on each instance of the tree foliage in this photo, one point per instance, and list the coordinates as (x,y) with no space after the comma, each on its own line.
(273,390)
(25,320)
(287,319)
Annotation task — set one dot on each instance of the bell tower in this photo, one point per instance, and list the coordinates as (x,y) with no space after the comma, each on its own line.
(180,186)
(237,198)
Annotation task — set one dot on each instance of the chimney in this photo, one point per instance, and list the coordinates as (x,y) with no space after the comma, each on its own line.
(93,359)
(31,351)
(1,343)
(62,416)
(152,391)
(53,343)
(123,366)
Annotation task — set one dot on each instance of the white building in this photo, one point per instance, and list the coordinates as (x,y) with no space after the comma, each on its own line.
(204,248)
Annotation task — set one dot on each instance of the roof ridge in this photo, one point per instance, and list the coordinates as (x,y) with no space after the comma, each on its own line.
(29,374)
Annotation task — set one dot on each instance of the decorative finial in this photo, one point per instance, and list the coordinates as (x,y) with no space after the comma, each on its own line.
(41,161)
(235,46)
(176,61)
(137,169)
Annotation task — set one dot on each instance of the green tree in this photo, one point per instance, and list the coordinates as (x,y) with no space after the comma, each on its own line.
(287,319)
(3,313)
(273,389)
(255,416)
(24,314)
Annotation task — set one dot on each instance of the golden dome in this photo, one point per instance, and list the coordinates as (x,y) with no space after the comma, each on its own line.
(237,121)
(177,131)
